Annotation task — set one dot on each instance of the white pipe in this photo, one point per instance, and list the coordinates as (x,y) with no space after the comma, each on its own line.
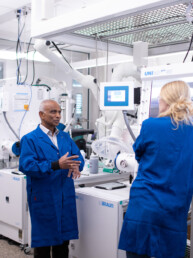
(86,81)
(113,115)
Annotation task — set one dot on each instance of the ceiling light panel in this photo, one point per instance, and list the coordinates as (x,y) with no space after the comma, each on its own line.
(166,35)
(142,26)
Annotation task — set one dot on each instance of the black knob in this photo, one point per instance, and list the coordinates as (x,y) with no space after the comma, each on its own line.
(48,43)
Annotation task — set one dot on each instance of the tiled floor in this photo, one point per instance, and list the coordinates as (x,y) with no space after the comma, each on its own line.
(9,249)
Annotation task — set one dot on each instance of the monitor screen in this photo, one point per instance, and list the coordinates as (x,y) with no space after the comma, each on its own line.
(116,96)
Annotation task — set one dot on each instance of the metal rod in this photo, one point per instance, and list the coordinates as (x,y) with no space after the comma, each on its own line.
(145,29)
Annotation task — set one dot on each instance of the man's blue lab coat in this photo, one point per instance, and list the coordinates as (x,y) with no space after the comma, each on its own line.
(51,194)
(155,223)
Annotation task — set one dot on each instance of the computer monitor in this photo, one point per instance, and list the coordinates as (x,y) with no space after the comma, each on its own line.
(117,95)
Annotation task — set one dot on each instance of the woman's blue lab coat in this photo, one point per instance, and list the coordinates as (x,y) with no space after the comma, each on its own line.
(155,223)
(51,194)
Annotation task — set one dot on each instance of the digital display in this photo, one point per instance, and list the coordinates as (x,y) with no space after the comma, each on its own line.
(116,95)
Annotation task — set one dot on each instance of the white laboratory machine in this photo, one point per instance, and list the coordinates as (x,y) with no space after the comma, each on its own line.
(13,206)
(100,217)
(153,78)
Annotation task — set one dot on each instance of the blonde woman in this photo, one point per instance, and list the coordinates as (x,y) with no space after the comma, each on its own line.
(155,224)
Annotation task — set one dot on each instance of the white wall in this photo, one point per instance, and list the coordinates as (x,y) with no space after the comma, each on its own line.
(41,69)
(46,69)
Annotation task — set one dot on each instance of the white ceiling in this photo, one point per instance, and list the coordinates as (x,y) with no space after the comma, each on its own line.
(68,6)
(9,22)
(4,10)
(13,4)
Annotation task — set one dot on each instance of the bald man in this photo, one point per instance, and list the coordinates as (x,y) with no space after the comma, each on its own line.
(51,160)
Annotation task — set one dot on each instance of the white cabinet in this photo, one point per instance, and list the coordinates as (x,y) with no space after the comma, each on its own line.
(100,217)
(13,206)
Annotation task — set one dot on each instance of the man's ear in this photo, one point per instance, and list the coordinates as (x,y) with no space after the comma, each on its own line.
(41,114)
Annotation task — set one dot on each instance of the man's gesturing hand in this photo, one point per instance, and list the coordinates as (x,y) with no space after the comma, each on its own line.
(66,162)
(75,173)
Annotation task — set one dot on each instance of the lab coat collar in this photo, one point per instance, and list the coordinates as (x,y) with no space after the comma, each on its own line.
(47,131)
(44,137)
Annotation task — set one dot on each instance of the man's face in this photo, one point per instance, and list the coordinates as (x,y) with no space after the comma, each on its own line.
(51,116)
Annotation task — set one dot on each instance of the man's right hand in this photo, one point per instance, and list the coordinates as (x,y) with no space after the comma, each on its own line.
(66,162)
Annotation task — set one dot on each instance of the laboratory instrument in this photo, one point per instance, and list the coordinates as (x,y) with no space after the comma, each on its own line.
(100,217)
(14,207)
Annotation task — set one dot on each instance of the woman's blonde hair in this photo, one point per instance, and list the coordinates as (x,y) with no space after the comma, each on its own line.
(176,95)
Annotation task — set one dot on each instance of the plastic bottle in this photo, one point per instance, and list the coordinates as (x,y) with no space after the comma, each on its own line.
(93,164)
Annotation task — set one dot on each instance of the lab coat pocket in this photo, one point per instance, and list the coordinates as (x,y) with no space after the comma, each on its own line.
(43,214)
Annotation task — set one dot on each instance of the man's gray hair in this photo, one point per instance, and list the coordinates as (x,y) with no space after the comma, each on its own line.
(44,103)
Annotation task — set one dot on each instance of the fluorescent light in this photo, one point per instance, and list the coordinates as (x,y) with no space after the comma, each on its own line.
(7,55)
(10,78)
(11,55)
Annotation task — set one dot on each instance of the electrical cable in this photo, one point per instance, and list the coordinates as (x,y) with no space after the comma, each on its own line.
(61,54)
(10,127)
(142,25)
(29,43)
(22,30)
(44,85)
(188,49)
(19,47)
(33,69)
(25,112)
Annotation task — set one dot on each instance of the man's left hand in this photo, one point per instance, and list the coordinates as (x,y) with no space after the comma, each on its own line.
(75,172)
